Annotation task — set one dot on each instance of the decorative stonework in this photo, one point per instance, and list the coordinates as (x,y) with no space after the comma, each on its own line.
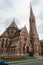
(16,41)
(33,34)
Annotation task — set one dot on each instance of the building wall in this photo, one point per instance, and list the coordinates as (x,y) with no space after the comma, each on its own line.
(26,46)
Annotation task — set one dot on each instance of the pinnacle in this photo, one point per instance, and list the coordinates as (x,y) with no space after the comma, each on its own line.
(31,11)
(13,24)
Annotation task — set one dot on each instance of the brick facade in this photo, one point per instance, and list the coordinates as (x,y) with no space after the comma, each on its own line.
(33,34)
(19,41)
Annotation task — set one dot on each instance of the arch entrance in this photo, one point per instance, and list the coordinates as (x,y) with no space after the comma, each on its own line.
(24,48)
(27,50)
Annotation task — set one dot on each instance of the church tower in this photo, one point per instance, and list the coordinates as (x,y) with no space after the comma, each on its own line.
(34,39)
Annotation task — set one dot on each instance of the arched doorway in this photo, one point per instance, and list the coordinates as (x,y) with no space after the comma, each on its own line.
(24,48)
(27,49)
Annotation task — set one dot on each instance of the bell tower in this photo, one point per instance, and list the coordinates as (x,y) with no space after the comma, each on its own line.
(34,39)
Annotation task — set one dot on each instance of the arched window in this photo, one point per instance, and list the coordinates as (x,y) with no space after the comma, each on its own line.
(6,42)
(33,20)
(27,48)
(2,43)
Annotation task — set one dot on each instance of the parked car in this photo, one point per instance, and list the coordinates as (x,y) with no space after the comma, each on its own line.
(3,63)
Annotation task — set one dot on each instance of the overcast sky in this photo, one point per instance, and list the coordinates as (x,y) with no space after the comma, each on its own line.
(20,9)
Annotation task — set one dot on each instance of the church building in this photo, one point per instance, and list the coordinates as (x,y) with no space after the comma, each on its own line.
(18,41)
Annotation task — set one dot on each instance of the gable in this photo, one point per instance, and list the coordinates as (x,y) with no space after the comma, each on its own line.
(24,30)
(10,30)
(13,24)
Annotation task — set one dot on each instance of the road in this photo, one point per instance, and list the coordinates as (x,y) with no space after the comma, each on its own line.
(32,63)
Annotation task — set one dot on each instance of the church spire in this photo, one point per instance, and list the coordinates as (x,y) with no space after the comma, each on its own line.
(34,39)
(31,11)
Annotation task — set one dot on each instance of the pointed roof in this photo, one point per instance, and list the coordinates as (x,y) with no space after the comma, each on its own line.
(13,24)
(31,11)
(24,29)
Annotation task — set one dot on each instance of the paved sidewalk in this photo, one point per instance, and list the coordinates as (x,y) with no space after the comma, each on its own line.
(39,57)
(24,61)
(30,63)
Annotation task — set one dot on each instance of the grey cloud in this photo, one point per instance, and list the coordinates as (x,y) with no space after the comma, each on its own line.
(7,22)
(35,2)
(17,21)
(40,29)
(40,16)
(5,5)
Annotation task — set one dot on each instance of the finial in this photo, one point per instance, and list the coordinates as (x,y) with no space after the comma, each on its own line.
(30,8)
(30,3)
(14,18)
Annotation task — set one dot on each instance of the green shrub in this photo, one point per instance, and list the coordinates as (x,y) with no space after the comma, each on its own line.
(41,42)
